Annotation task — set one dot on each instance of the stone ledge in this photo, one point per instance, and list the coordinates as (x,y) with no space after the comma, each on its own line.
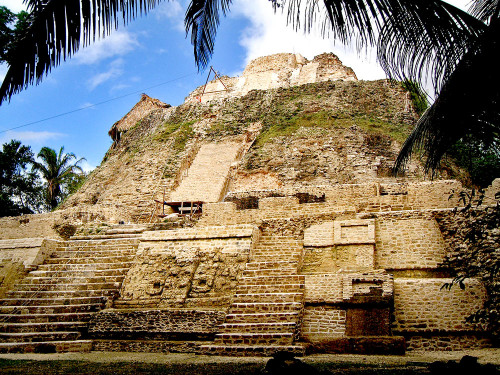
(210,232)
(394,345)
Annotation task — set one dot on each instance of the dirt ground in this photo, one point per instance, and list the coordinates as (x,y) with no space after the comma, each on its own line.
(178,364)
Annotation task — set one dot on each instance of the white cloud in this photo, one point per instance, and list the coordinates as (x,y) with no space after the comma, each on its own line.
(118,43)
(14,5)
(269,34)
(119,87)
(87,105)
(86,166)
(173,11)
(114,71)
(3,71)
(30,137)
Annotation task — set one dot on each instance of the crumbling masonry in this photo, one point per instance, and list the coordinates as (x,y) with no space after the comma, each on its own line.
(304,242)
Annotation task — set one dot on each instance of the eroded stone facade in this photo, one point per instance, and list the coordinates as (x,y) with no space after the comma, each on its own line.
(303,241)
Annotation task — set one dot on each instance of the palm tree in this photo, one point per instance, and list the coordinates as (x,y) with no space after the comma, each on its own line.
(57,170)
(413,37)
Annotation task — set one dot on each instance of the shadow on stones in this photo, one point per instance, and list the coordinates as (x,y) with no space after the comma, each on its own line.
(284,363)
(468,365)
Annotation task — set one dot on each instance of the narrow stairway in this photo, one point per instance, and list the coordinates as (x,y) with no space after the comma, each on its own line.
(267,308)
(49,310)
(208,175)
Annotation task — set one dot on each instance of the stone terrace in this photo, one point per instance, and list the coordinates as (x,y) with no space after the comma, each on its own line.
(267,307)
(49,310)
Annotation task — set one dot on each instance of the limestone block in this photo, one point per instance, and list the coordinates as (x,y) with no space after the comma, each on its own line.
(408,243)
(421,305)
(367,287)
(321,323)
(323,288)
(278,203)
(354,232)
(319,235)
(355,257)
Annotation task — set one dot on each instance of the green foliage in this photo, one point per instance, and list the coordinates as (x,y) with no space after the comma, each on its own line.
(179,132)
(58,171)
(20,189)
(12,26)
(417,96)
(480,160)
(475,255)
(283,126)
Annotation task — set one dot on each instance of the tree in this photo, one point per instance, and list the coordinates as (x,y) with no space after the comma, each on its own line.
(58,171)
(20,190)
(413,37)
(11,27)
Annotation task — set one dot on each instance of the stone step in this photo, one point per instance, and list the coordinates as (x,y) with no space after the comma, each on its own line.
(79,254)
(56,280)
(41,301)
(43,327)
(52,309)
(280,317)
(251,350)
(39,336)
(272,238)
(271,257)
(258,327)
(272,264)
(102,242)
(280,338)
(290,249)
(255,307)
(272,288)
(269,272)
(93,259)
(122,230)
(47,347)
(80,272)
(268,297)
(46,317)
(51,294)
(273,280)
(106,236)
(148,346)
(68,286)
(89,266)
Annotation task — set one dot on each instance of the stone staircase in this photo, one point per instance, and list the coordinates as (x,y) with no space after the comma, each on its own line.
(207,177)
(266,311)
(49,310)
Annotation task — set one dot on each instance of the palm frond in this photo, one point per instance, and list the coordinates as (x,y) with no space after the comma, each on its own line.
(411,47)
(57,29)
(469,104)
(484,10)
(202,20)
(361,20)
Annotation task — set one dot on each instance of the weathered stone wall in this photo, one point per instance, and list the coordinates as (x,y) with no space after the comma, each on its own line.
(285,202)
(339,304)
(17,256)
(323,323)
(406,242)
(279,70)
(173,324)
(10,274)
(422,305)
(27,251)
(29,226)
(433,318)
(323,288)
(188,267)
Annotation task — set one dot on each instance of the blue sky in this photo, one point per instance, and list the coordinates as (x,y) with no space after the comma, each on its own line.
(150,51)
